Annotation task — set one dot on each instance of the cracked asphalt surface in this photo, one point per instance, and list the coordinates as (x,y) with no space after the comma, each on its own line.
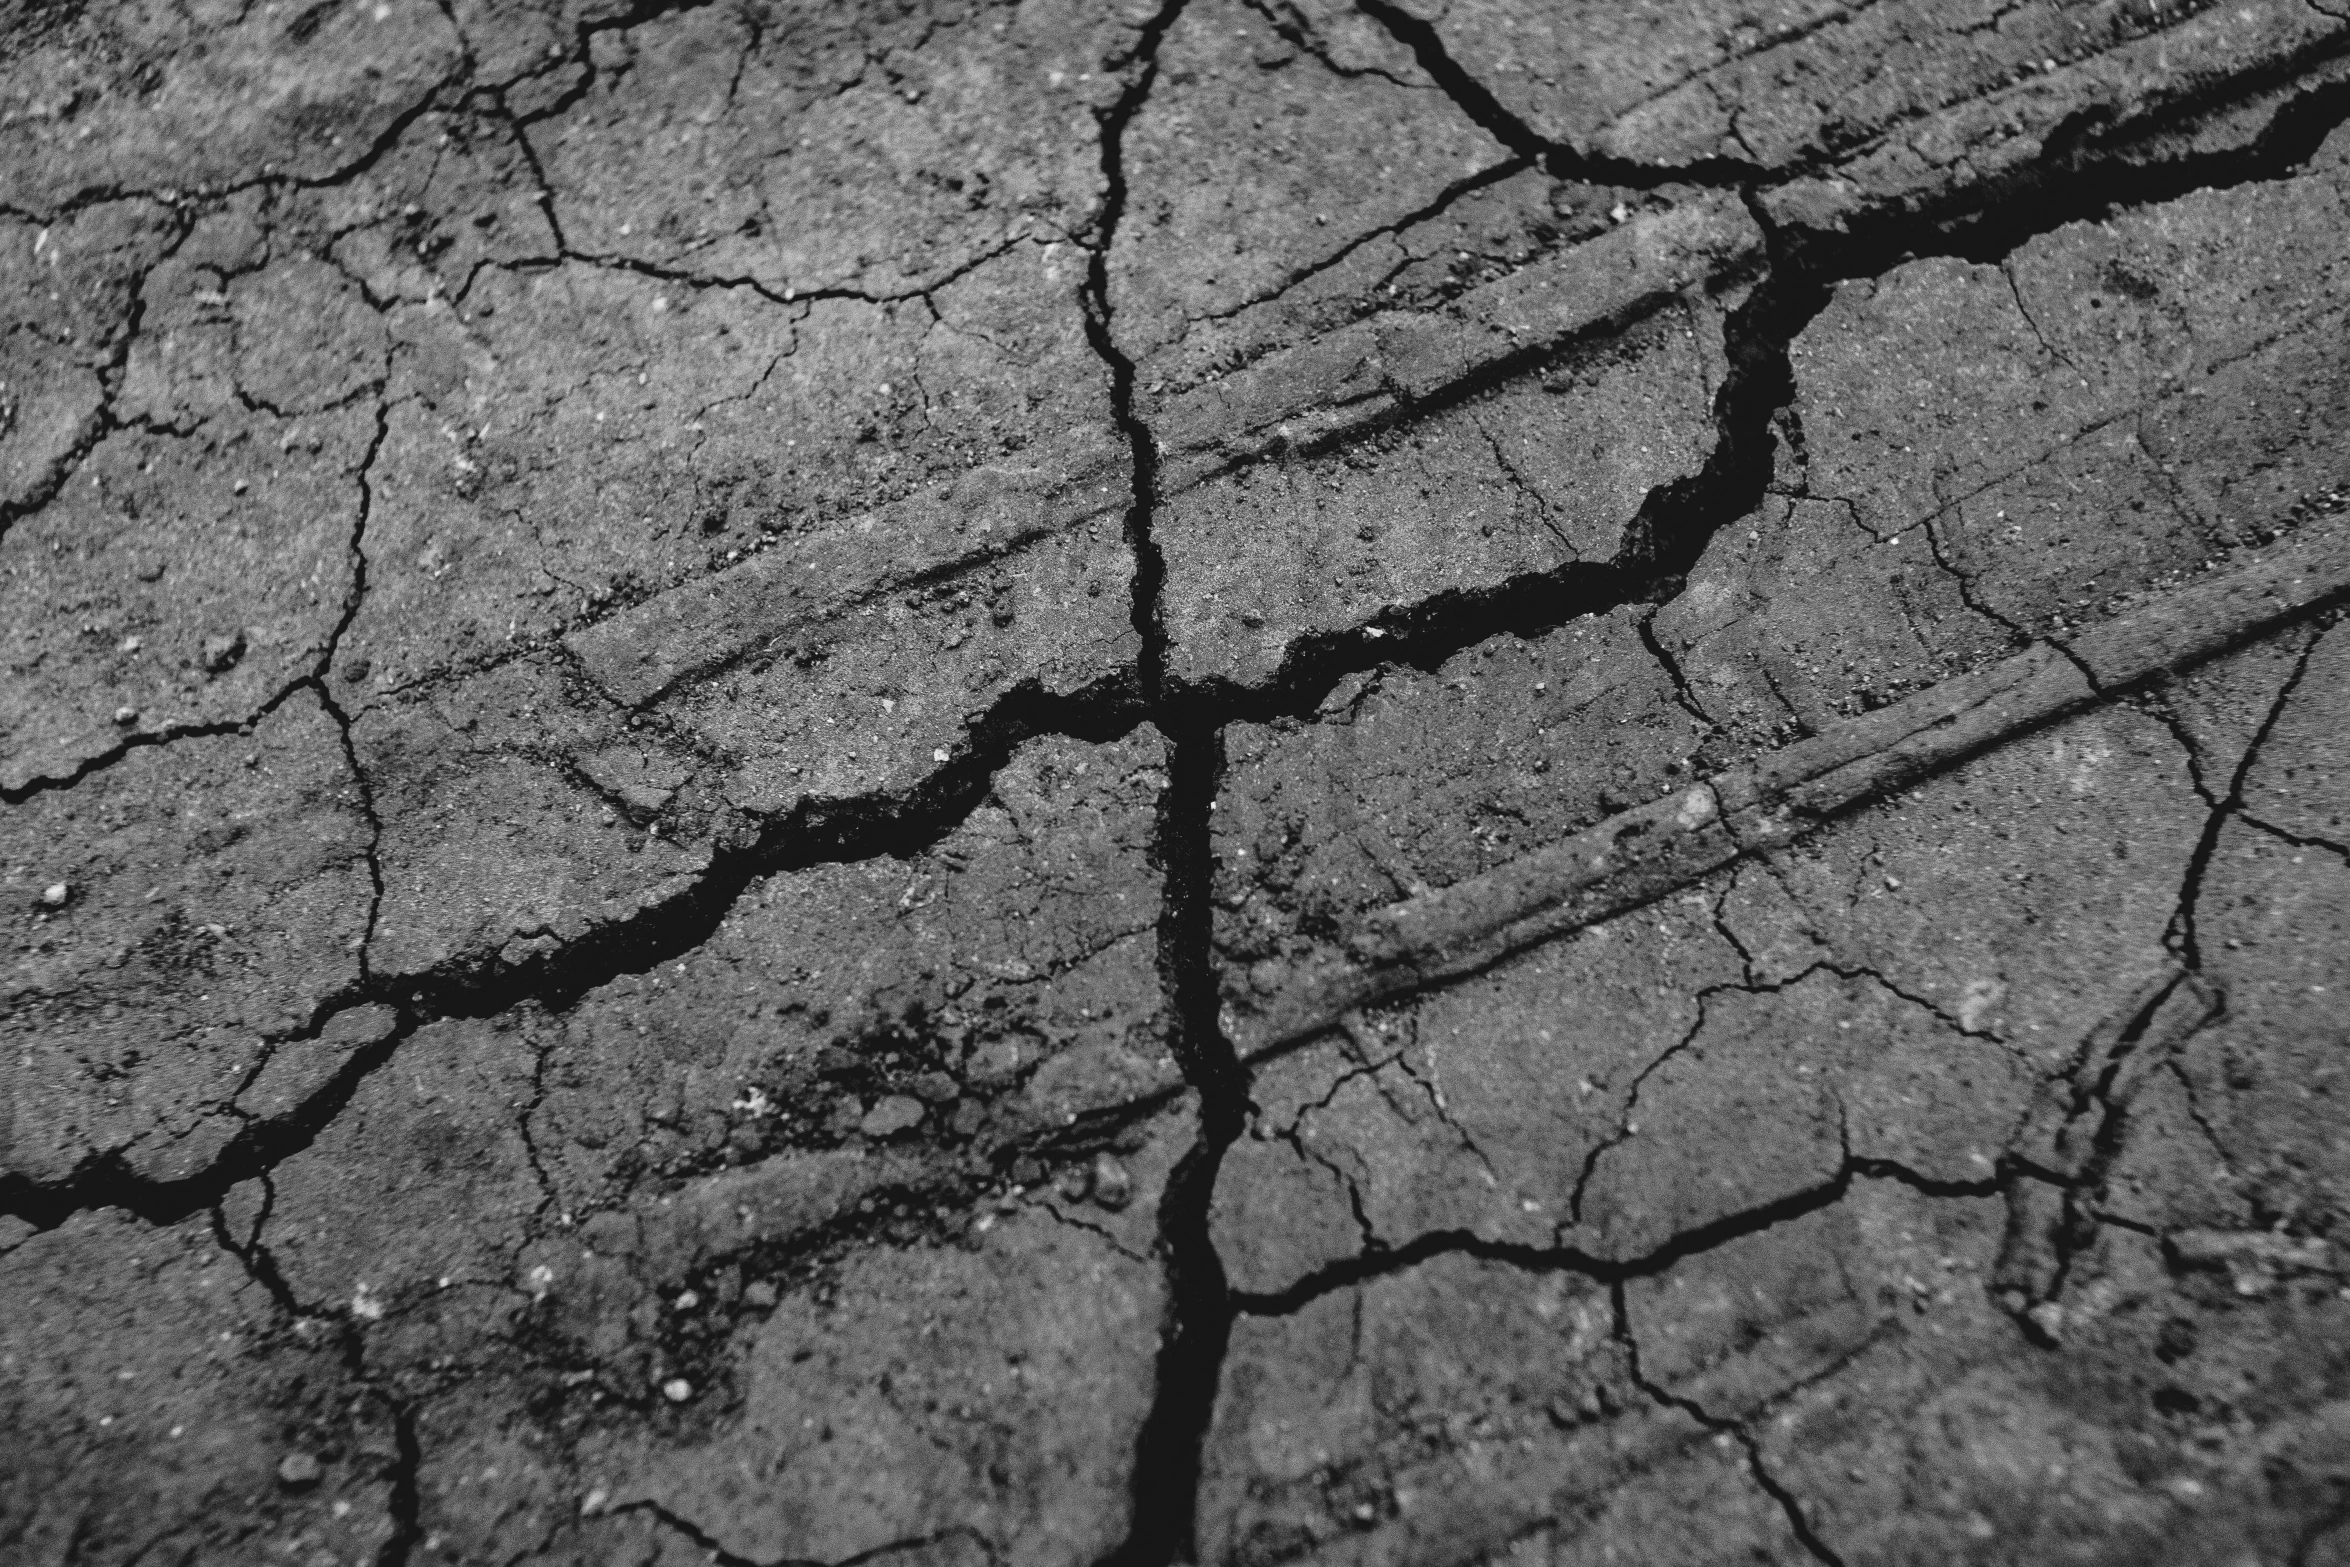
(1451,782)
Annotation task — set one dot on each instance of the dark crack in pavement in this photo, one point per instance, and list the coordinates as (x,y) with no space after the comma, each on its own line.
(1235,781)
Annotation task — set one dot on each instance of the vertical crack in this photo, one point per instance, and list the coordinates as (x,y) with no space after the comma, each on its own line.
(1682,694)
(2182,935)
(1150,569)
(1678,520)
(405,1506)
(1165,1484)
(322,683)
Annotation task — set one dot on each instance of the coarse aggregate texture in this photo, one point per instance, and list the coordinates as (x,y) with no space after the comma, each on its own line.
(968,782)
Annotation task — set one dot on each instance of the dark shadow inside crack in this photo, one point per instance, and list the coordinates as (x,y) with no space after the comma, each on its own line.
(1191,1353)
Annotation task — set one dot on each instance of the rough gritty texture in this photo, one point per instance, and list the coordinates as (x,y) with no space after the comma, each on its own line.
(1249,781)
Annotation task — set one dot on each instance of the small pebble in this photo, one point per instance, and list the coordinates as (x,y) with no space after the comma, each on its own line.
(1112,1186)
(56,895)
(677,1390)
(298,1471)
(126,716)
(687,1300)
(760,1296)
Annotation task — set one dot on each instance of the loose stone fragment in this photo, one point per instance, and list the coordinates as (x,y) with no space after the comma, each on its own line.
(891,1115)
(1112,1187)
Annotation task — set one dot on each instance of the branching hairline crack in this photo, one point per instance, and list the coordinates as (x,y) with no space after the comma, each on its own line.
(1436,207)
(1798,1522)
(1697,1240)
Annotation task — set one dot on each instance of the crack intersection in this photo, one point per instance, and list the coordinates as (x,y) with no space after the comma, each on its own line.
(1675,524)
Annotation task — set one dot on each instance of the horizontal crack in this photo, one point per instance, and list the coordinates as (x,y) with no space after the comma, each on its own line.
(815,833)
(150,740)
(1380,1262)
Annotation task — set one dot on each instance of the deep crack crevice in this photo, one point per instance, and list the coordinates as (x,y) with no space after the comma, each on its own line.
(1166,1467)
(405,1506)
(2086,181)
